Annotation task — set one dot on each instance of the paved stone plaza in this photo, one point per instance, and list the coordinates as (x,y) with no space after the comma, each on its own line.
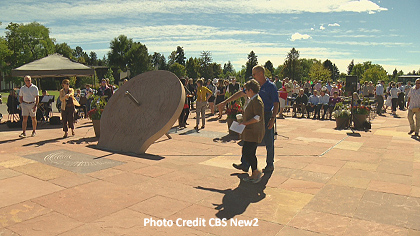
(325,182)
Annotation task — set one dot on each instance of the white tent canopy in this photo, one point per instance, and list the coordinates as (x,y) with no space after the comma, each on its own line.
(54,65)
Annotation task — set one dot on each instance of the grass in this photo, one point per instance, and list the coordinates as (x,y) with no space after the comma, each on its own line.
(56,94)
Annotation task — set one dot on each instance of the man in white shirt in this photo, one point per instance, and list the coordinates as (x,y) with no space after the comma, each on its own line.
(29,99)
(413,105)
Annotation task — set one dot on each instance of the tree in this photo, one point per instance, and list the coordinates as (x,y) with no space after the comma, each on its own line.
(93,59)
(292,65)
(192,68)
(350,67)
(375,73)
(158,61)
(319,72)
(306,65)
(64,49)
(118,56)
(110,75)
(252,61)
(177,69)
(172,58)
(206,70)
(228,68)
(138,59)
(4,54)
(28,42)
(269,66)
(332,68)
(180,56)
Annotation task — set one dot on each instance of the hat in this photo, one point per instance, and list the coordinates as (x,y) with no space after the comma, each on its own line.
(215,81)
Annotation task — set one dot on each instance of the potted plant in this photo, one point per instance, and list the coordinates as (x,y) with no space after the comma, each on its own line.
(98,104)
(360,114)
(341,114)
(232,110)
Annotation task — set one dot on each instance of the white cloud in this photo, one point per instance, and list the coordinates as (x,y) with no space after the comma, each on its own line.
(312,29)
(334,25)
(23,11)
(298,36)
(321,27)
(361,6)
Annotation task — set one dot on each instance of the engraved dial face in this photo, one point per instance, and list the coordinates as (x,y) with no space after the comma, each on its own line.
(129,127)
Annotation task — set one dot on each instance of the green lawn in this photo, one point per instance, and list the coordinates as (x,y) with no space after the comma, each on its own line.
(51,92)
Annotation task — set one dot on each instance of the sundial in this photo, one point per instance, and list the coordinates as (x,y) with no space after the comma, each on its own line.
(141,111)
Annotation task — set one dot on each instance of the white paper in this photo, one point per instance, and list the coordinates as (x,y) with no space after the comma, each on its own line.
(236,127)
(47,98)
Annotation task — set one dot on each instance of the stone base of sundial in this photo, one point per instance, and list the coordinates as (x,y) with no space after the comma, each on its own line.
(141,111)
(73,161)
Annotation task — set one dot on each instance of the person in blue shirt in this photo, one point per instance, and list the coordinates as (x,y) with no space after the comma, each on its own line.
(269,95)
(313,104)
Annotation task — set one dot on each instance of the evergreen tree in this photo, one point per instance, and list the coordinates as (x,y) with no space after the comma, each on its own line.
(252,61)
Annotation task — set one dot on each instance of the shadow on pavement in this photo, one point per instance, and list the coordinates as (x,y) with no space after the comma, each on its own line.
(41,143)
(143,156)
(227,138)
(236,201)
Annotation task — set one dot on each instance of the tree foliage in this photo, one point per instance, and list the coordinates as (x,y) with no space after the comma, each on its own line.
(158,61)
(28,42)
(252,61)
(319,72)
(138,59)
(180,56)
(177,69)
(192,68)
(292,65)
(118,56)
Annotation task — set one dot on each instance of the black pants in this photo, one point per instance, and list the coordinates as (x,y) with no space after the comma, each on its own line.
(325,107)
(249,150)
(394,102)
(68,117)
(380,100)
(315,109)
(183,117)
(401,101)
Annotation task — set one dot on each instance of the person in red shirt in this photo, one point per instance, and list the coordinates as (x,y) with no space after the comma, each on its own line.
(282,99)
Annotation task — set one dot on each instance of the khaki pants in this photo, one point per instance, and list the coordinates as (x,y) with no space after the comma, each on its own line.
(201,110)
(414,126)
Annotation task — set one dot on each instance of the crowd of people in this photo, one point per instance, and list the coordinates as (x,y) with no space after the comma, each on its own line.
(266,100)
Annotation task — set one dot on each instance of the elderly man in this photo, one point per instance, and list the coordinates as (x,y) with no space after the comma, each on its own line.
(300,102)
(270,97)
(29,99)
(313,104)
(413,105)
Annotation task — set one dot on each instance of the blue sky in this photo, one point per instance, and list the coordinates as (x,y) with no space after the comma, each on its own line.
(384,32)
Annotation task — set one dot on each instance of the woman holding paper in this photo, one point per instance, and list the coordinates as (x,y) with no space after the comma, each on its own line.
(253,119)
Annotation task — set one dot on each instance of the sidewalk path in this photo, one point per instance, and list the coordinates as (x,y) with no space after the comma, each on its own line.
(325,182)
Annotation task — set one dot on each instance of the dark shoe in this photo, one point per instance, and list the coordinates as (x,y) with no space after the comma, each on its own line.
(240,167)
(202,127)
(196,128)
(416,134)
(268,169)
(411,131)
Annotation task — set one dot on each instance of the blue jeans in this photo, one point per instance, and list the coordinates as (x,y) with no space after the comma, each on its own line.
(268,140)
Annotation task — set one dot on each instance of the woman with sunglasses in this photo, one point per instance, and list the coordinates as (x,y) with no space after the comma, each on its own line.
(68,102)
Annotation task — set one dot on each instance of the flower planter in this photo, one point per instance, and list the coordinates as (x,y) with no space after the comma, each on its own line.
(358,120)
(97,127)
(342,122)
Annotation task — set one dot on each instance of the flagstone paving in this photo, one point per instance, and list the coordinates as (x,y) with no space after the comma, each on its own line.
(325,182)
